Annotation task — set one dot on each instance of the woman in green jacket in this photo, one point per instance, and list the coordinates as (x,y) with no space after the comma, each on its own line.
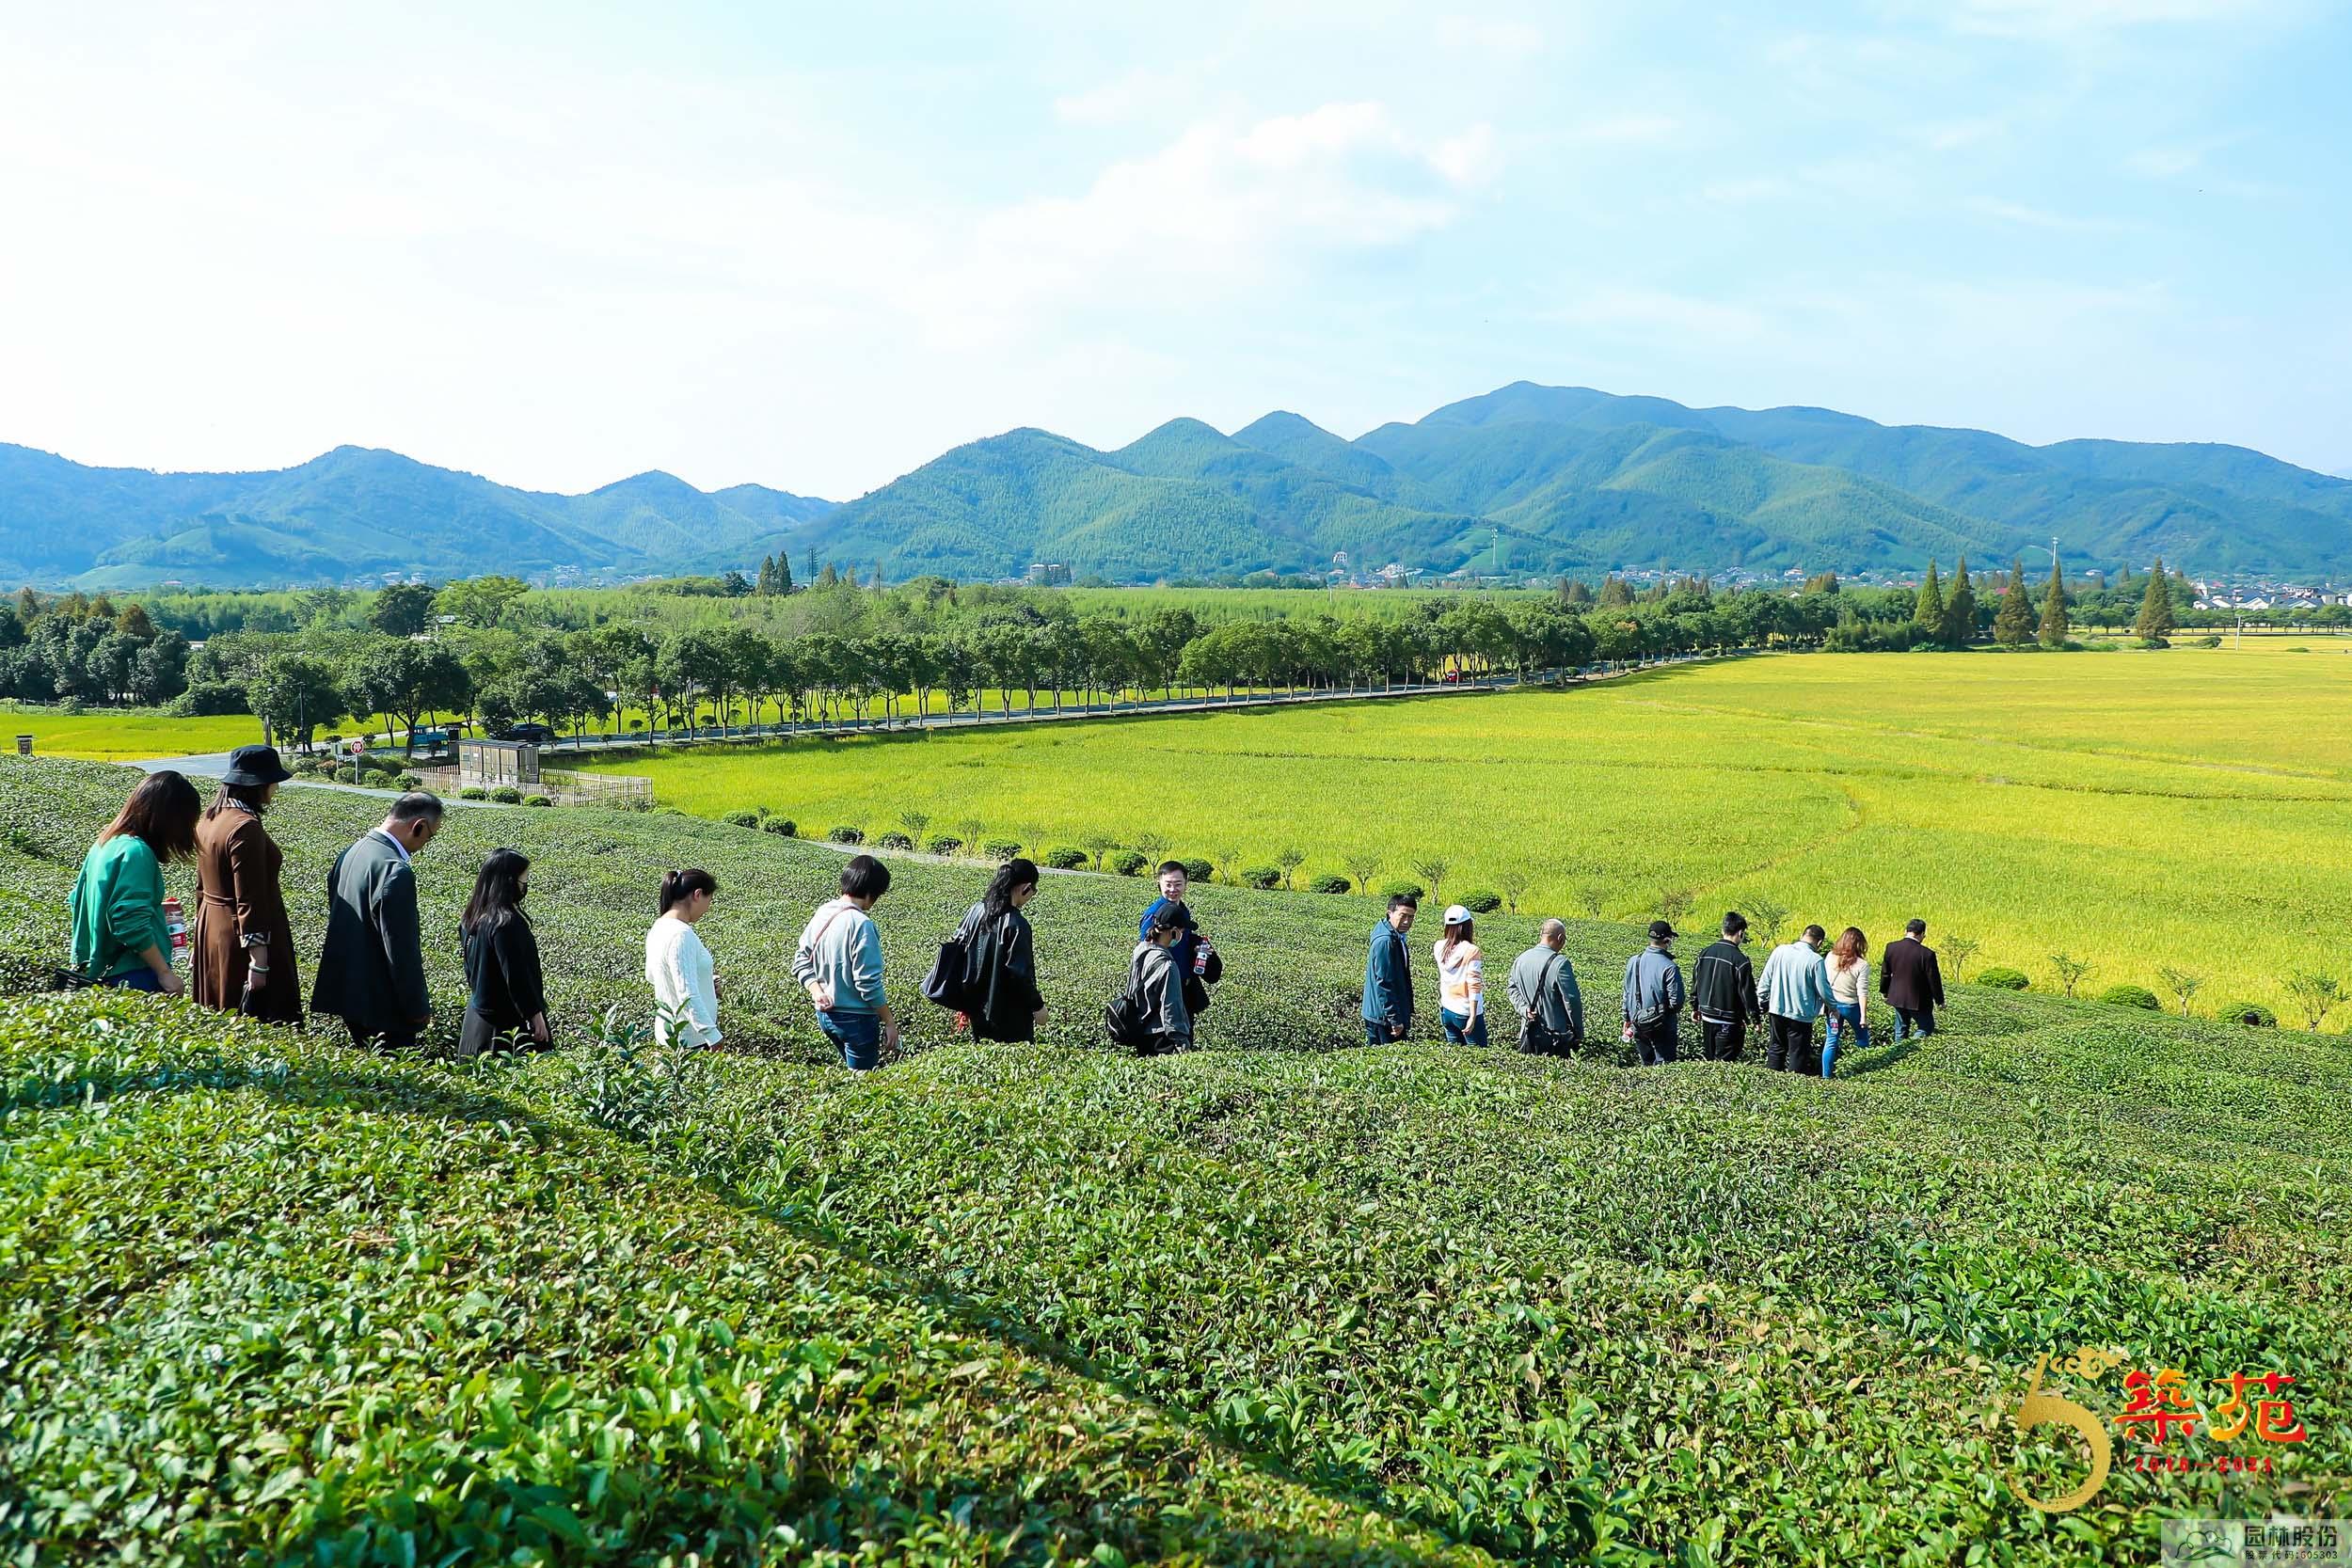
(120,935)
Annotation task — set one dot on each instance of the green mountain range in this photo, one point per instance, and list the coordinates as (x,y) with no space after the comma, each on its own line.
(1544,479)
(357,512)
(1526,479)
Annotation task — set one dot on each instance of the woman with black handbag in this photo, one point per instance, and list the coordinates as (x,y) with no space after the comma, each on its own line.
(998,996)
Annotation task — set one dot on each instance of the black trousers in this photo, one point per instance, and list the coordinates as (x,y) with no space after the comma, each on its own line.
(382,1037)
(1791,1046)
(1654,1043)
(1721,1042)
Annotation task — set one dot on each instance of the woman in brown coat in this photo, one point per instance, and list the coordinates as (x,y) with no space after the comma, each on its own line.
(243,942)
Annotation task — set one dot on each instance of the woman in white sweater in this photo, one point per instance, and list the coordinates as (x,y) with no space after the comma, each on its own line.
(1848,969)
(685,980)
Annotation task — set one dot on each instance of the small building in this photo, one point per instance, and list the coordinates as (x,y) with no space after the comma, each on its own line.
(487,764)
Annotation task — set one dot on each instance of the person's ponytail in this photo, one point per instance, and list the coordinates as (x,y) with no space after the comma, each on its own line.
(678,886)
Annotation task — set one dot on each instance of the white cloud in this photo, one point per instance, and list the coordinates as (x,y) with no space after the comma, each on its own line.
(2022,215)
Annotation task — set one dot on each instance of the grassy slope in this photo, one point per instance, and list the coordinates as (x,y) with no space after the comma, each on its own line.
(1861,788)
(1530,1305)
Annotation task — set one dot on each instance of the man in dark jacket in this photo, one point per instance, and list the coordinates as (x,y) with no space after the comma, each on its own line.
(1723,993)
(1912,981)
(372,967)
(1389,975)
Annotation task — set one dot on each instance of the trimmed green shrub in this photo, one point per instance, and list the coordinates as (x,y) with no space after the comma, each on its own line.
(742,818)
(2131,996)
(1130,862)
(1201,871)
(944,844)
(1000,849)
(507,795)
(1329,882)
(894,841)
(2004,977)
(1261,877)
(2249,1015)
(1482,901)
(845,835)
(408,781)
(783,827)
(1066,859)
(474,792)
(1410,890)
(538,800)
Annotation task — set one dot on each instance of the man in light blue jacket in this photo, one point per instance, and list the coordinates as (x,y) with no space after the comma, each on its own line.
(838,961)
(1793,990)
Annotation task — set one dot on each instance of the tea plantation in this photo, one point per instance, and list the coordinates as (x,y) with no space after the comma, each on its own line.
(263,1298)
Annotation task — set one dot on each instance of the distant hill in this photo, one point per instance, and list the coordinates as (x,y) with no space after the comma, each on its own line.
(1526,478)
(1544,479)
(358,512)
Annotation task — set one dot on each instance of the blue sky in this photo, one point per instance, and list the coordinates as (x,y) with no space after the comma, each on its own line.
(815,246)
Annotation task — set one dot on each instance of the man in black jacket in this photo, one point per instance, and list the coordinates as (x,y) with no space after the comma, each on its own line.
(372,967)
(1723,991)
(1912,981)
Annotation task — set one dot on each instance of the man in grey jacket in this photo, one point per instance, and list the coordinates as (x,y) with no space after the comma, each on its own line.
(1654,997)
(1544,991)
(372,965)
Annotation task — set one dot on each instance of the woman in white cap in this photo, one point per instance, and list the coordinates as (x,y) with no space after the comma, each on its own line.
(1461,980)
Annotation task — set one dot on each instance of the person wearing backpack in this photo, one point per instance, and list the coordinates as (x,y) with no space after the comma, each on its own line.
(999,995)
(1654,997)
(839,961)
(1151,1016)
(1544,994)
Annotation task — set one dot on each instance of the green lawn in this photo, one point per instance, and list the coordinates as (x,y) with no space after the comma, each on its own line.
(2183,810)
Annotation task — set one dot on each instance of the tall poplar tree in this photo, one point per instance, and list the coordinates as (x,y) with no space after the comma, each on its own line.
(2012,622)
(1929,616)
(1960,609)
(2054,623)
(2155,609)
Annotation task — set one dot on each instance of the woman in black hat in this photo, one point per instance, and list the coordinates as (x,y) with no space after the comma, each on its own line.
(243,942)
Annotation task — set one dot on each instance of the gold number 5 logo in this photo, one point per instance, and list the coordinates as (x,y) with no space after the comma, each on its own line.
(2037,1409)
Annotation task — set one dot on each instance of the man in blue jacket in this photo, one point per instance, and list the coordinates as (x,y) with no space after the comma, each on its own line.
(1654,997)
(1389,975)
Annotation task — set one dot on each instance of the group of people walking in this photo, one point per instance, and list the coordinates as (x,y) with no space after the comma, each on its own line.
(1801,985)
(372,962)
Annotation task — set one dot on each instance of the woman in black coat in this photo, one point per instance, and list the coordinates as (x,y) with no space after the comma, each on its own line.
(1000,959)
(506,1001)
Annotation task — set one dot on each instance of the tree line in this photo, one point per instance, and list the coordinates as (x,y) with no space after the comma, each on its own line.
(496,651)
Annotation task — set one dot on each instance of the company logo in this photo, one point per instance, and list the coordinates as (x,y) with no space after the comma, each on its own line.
(2162,1408)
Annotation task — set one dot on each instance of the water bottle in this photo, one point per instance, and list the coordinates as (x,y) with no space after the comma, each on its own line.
(176,922)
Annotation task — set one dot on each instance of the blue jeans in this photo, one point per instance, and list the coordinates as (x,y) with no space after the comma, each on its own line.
(858,1035)
(1377,1034)
(1848,1016)
(1463,1031)
(1913,1021)
(141,978)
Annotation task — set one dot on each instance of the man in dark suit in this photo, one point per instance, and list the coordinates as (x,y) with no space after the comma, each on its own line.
(1910,981)
(372,968)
